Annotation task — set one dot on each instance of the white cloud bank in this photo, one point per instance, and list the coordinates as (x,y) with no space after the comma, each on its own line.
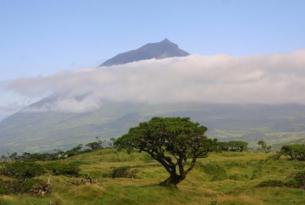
(268,79)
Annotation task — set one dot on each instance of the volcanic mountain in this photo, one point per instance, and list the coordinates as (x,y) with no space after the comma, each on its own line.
(159,50)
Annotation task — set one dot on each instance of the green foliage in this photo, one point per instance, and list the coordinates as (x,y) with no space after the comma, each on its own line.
(19,186)
(233,146)
(298,180)
(73,151)
(294,151)
(266,148)
(58,154)
(66,169)
(272,183)
(4,187)
(123,172)
(22,170)
(171,141)
(216,171)
(95,145)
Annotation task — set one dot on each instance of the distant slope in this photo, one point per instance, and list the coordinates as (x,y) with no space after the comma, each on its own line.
(36,131)
(162,49)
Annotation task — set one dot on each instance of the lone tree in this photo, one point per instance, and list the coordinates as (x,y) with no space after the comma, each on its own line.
(174,142)
(264,146)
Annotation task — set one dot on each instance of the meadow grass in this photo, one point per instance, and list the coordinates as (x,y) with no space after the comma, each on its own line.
(223,178)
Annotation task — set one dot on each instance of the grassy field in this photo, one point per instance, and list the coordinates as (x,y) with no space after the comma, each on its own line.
(222,178)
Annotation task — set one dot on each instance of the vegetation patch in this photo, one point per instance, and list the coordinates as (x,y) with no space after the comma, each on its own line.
(22,170)
(66,169)
(216,171)
(272,183)
(124,172)
(232,146)
(294,151)
(33,186)
(296,181)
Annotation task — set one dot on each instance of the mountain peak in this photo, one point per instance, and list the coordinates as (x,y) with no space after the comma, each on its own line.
(158,50)
(165,41)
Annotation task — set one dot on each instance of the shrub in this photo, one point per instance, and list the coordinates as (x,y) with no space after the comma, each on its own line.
(123,172)
(215,171)
(298,180)
(26,185)
(20,186)
(22,170)
(238,177)
(294,151)
(272,183)
(58,168)
(4,187)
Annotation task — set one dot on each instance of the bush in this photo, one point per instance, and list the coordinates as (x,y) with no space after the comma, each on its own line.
(272,183)
(215,171)
(58,168)
(22,170)
(4,187)
(294,151)
(238,177)
(26,185)
(123,172)
(19,186)
(298,180)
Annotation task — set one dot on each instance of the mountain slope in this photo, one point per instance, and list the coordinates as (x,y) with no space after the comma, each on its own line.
(36,131)
(159,50)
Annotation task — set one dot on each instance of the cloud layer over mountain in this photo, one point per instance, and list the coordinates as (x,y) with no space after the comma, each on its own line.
(277,78)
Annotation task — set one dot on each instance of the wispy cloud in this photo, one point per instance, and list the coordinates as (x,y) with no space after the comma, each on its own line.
(277,78)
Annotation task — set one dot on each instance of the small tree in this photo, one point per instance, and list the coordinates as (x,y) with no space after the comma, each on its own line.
(264,146)
(172,142)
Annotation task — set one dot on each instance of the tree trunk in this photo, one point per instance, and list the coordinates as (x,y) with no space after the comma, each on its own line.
(172,180)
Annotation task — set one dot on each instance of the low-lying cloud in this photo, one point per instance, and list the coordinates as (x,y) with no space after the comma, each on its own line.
(268,79)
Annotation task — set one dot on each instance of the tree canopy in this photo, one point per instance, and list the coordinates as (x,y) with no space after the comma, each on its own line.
(266,148)
(174,142)
(232,146)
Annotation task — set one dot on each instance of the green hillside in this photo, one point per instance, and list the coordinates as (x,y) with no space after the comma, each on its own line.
(221,179)
(44,131)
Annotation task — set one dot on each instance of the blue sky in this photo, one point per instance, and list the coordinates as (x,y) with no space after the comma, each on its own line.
(43,37)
